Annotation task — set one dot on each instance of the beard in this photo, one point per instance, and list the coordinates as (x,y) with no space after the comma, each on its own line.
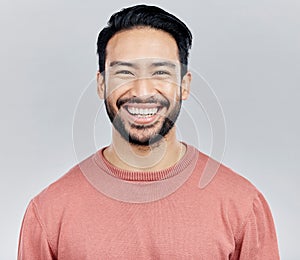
(144,135)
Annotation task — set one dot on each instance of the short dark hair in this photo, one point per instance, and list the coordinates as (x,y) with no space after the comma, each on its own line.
(146,16)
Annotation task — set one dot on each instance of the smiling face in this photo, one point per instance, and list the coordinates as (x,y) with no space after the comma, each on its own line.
(142,86)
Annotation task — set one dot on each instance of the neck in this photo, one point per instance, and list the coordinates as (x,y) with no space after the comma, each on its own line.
(158,156)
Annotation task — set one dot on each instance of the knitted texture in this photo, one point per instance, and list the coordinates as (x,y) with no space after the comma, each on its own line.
(96,211)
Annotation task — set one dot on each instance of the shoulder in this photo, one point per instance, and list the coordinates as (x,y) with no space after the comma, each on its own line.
(214,175)
(66,189)
(224,186)
(231,195)
(62,186)
(234,182)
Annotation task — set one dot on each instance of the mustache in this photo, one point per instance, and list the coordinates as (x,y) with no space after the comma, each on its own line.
(138,100)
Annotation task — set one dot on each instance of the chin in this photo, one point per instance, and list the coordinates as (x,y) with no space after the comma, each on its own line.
(146,141)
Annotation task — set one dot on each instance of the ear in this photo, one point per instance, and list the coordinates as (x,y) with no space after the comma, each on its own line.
(100,85)
(186,85)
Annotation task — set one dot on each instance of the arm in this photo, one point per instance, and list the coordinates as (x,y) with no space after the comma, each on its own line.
(33,242)
(257,239)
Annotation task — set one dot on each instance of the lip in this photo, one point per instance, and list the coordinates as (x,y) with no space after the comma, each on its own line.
(142,105)
(142,120)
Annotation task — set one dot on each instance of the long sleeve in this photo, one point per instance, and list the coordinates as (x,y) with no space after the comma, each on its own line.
(257,239)
(33,243)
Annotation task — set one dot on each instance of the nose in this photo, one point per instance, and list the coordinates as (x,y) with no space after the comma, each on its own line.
(143,87)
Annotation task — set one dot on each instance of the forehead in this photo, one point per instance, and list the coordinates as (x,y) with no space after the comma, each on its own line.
(141,43)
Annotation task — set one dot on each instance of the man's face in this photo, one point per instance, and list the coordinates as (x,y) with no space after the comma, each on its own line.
(142,86)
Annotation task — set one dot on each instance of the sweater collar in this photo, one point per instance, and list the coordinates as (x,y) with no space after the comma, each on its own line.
(146,175)
(125,186)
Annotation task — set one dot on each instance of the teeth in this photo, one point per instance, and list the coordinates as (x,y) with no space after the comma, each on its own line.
(141,111)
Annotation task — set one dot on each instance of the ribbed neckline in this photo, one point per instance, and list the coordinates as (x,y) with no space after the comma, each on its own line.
(108,179)
(141,176)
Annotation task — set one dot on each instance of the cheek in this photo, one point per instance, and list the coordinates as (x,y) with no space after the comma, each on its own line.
(117,87)
(173,93)
(111,100)
(113,93)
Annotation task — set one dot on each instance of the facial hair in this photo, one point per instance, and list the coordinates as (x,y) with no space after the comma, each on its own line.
(168,121)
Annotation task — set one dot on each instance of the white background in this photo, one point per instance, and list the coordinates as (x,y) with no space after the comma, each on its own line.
(247,51)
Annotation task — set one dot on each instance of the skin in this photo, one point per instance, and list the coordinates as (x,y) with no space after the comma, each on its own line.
(143,63)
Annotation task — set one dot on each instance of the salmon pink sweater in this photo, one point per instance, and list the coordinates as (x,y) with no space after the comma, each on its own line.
(97,211)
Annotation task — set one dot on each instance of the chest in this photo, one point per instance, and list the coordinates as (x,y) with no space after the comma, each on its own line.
(145,232)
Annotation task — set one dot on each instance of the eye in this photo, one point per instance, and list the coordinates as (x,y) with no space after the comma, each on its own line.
(124,72)
(161,73)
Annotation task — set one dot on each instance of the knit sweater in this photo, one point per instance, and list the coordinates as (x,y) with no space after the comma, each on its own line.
(97,211)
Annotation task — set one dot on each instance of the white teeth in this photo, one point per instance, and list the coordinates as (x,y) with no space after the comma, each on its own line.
(141,111)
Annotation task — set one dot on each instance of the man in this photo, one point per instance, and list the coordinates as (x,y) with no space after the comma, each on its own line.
(139,197)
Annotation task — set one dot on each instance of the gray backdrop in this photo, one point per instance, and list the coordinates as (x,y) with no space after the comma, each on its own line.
(248,52)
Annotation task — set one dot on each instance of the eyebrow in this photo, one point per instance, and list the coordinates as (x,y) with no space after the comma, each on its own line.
(122,63)
(133,65)
(163,64)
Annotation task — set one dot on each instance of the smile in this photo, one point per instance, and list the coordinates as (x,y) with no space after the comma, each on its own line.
(142,112)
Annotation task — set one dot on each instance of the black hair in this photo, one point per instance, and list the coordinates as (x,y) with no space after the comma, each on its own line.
(146,16)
